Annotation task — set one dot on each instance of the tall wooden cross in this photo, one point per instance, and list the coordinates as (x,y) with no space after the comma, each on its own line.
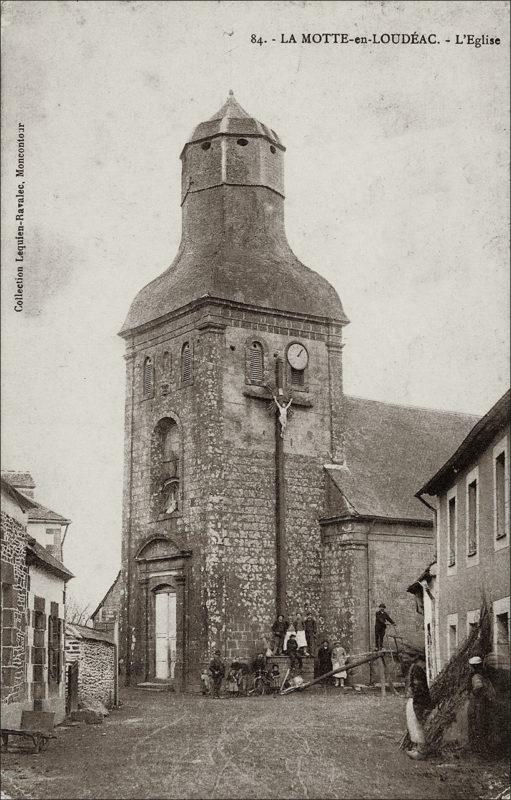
(281,408)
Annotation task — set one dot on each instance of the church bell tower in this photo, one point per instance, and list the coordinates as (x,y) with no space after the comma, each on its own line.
(233,409)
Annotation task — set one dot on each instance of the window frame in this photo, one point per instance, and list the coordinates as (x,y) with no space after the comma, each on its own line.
(452,622)
(472,558)
(499,542)
(473,618)
(452,494)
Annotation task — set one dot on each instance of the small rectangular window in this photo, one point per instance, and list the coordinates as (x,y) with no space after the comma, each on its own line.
(500,495)
(453,639)
(452,531)
(297,377)
(502,628)
(472,517)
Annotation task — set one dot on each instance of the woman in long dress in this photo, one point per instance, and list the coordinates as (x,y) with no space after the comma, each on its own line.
(339,656)
(301,638)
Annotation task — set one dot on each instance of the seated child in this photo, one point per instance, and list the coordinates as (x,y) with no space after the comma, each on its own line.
(274,676)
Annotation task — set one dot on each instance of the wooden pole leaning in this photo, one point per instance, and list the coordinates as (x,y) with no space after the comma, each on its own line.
(358,663)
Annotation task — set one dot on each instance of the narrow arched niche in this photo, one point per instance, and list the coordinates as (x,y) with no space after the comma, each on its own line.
(166,468)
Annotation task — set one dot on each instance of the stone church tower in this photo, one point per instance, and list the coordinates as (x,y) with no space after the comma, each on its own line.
(234,406)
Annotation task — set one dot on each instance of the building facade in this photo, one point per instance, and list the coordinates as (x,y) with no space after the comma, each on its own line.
(33,608)
(470,494)
(238,432)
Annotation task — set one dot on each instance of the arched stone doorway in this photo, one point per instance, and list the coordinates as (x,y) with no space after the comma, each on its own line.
(162,577)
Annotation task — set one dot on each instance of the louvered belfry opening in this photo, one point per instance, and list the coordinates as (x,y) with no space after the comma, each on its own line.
(186,363)
(297,377)
(148,375)
(256,362)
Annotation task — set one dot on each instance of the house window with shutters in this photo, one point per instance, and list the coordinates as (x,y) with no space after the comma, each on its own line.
(148,377)
(186,363)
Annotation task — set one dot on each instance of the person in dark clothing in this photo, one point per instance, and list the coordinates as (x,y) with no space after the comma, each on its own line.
(259,664)
(418,706)
(310,633)
(279,629)
(482,711)
(217,672)
(324,658)
(295,659)
(380,625)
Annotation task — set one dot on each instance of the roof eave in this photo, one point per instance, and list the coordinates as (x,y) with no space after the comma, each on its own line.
(480,435)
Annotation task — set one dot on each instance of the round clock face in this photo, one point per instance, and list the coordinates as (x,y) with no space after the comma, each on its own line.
(297,356)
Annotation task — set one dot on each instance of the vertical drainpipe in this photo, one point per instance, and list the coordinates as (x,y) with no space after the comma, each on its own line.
(436,643)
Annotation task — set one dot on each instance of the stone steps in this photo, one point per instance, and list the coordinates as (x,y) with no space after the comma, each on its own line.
(156,686)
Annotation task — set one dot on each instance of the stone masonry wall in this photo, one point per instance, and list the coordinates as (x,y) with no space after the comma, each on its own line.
(14,610)
(227,512)
(96,671)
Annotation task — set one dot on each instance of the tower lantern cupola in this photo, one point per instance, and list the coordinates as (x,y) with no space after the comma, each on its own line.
(232,148)
(233,241)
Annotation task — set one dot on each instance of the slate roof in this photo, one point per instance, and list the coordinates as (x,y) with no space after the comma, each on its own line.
(102,602)
(390,450)
(83,632)
(24,502)
(42,514)
(36,552)
(477,440)
(232,119)
(240,256)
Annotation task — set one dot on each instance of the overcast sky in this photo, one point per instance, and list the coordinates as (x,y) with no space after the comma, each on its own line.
(396,183)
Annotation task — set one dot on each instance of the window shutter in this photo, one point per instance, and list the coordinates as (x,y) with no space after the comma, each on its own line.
(186,363)
(297,377)
(256,362)
(148,376)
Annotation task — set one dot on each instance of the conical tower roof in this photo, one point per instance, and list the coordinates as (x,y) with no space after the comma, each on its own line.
(232,119)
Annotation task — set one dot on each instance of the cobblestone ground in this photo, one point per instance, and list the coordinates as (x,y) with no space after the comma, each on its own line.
(310,745)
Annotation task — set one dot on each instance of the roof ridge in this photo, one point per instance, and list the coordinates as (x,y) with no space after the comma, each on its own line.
(415,408)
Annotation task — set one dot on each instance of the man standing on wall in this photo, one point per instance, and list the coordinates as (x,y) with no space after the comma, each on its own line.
(380,625)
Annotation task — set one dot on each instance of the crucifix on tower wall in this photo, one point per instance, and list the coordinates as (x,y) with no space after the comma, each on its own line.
(281,408)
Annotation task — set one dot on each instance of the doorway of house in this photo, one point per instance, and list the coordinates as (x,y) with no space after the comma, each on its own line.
(165,629)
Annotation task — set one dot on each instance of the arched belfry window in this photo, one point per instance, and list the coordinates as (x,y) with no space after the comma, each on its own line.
(166,467)
(256,362)
(148,377)
(186,363)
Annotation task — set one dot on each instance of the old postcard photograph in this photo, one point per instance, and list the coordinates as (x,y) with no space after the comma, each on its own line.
(255,399)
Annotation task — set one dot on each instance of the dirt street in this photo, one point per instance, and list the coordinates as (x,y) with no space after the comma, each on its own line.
(311,745)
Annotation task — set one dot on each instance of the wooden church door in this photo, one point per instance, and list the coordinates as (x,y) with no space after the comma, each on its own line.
(165,629)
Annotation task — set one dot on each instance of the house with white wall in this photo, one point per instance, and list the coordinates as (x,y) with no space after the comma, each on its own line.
(469,496)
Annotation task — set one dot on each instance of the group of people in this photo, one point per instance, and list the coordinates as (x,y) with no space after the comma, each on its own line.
(241,678)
